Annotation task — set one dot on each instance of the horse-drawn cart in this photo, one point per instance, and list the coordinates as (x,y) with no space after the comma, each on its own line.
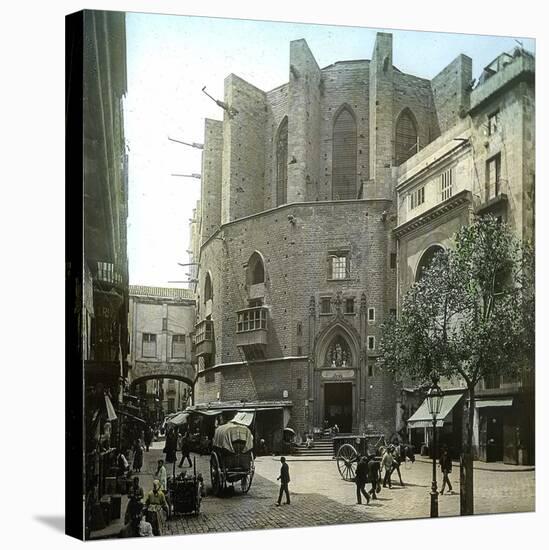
(231,459)
(348,449)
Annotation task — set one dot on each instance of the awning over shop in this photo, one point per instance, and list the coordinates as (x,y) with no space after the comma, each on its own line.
(178,419)
(111,414)
(131,416)
(244,418)
(503,402)
(422,419)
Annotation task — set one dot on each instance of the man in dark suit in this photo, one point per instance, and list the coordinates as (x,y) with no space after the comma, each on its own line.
(361,479)
(373,474)
(284,478)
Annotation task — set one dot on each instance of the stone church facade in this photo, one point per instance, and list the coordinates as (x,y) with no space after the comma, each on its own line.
(295,238)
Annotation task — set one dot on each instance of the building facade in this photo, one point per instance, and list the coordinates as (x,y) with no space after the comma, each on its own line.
(297,235)
(161,322)
(483,164)
(96,242)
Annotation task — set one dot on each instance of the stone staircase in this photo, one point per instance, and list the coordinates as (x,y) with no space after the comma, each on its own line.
(322,447)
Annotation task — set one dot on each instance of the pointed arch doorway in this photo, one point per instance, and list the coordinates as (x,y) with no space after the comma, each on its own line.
(336,377)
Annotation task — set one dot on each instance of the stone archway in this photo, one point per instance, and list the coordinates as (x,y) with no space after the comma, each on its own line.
(149,371)
(337,377)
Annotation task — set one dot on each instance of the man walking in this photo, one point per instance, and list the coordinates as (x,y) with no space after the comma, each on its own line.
(185,449)
(360,479)
(387,461)
(284,478)
(446,468)
(374,467)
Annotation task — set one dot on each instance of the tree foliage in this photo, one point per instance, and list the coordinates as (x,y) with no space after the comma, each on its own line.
(471,313)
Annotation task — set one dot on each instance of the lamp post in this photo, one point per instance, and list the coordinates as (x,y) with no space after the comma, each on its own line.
(434,406)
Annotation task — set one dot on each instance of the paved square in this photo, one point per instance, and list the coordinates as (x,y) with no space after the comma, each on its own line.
(321,497)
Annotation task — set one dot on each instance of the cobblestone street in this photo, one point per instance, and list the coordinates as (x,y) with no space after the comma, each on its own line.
(321,497)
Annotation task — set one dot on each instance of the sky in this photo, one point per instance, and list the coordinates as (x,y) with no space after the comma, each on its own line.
(170,58)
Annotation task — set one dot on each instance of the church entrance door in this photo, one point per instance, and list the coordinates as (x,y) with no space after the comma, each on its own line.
(338,405)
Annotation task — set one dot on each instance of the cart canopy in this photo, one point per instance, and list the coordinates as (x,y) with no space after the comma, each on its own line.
(179,419)
(228,434)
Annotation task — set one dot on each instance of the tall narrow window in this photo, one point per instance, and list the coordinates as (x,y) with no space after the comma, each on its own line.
(344,178)
(178,346)
(208,291)
(446,183)
(256,270)
(406,139)
(282,163)
(149,345)
(493,173)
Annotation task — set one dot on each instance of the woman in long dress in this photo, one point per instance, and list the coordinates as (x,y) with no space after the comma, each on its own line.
(138,456)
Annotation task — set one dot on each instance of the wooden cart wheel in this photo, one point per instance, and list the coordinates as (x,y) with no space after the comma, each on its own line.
(246,482)
(347,458)
(215,474)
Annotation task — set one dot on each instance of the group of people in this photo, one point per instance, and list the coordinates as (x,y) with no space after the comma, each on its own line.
(369,471)
(143,516)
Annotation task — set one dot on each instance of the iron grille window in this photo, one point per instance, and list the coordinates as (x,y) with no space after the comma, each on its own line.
(282,163)
(325,305)
(493,173)
(148,345)
(298,384)
(178,346)
(446,182)
(252,319)
(371,314)
(371,343)
(417,198)
(406,139)
(344,161)
(339,265)
(204,332)
(350,305)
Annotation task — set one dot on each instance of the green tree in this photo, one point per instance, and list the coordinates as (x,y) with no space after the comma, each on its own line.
(471,316)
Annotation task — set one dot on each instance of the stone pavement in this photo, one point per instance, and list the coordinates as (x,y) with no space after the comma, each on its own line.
(321,497)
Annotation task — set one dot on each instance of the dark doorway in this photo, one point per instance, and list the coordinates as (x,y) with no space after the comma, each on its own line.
(491,435)
(338,405)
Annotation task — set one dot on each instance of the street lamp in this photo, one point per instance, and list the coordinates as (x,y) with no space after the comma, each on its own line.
(434,406)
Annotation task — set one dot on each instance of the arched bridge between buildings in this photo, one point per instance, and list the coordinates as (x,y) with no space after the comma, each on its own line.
(141,372)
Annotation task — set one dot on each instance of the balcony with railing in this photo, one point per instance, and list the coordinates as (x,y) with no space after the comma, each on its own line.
(204,338)
(251,326)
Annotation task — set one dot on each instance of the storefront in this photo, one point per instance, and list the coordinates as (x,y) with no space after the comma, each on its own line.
(449,424)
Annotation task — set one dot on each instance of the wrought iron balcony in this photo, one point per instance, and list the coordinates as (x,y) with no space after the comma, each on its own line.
(251,327)
(204,338)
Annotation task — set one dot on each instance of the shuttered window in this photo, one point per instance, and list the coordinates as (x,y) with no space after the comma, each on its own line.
(178,346)
(149,345)
(344,157)
(406,142)
(282,163)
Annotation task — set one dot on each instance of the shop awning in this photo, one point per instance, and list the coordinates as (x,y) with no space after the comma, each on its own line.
(111,414)
(178,419)
(422,419)
(244,418)
(503,402)
(131,416)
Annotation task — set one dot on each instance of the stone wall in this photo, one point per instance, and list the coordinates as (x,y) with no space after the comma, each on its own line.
(243,180)
(451,92)
(212,157)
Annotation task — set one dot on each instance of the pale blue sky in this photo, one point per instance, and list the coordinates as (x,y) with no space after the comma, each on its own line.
(170,59)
